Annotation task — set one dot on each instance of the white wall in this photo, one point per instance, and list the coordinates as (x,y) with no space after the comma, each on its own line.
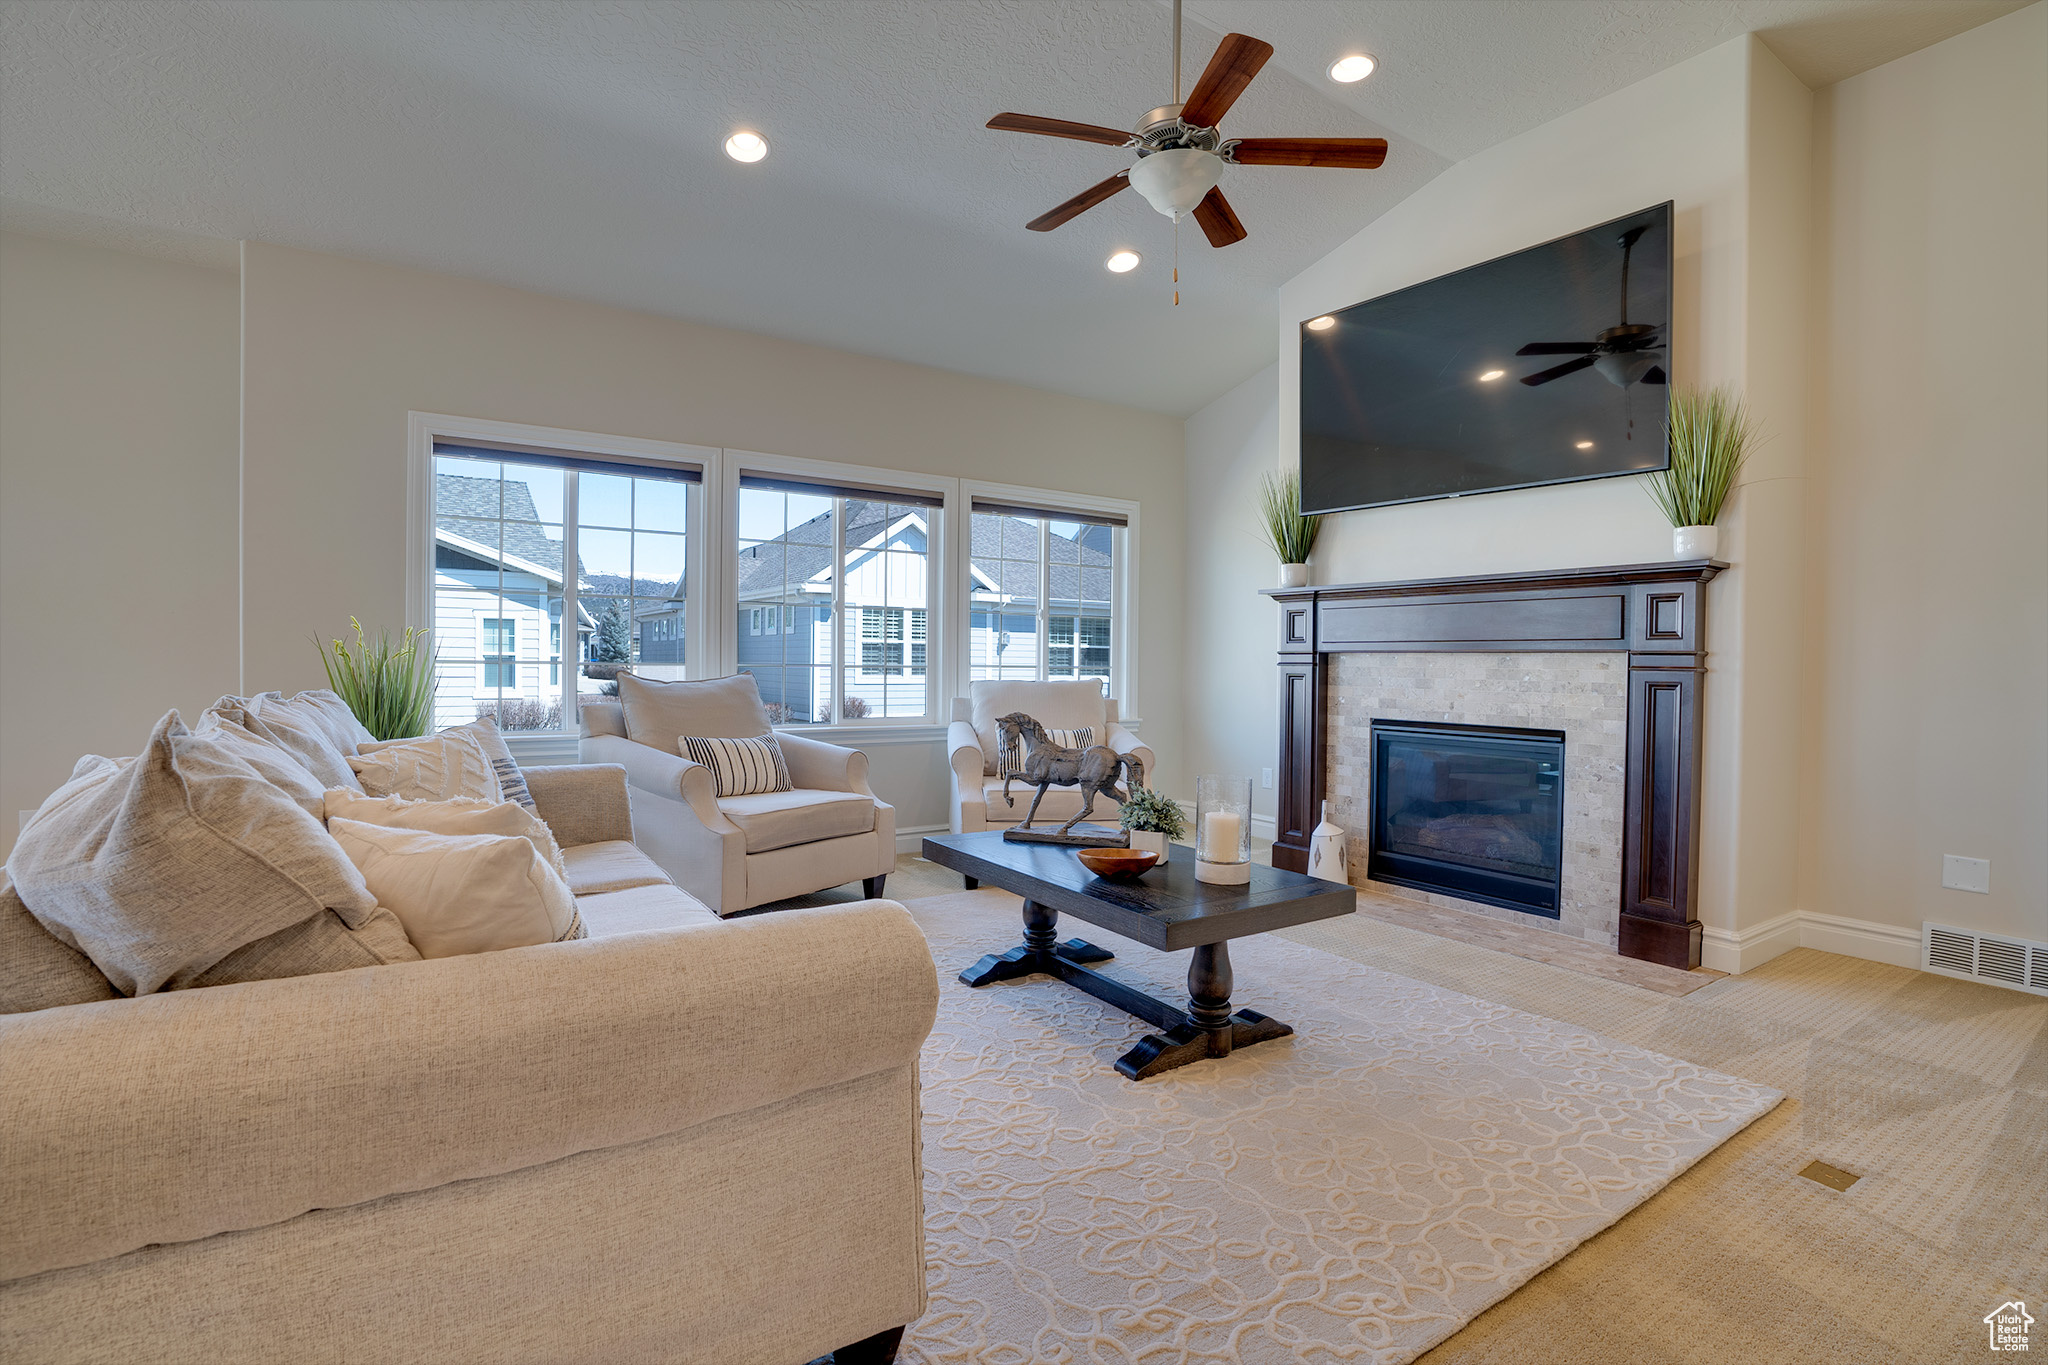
(338,351)
(118,416)
(1723,136)
(1233,711)
(1927,704)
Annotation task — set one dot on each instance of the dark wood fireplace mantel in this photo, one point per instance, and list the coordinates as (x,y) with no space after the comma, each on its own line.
(1654,613)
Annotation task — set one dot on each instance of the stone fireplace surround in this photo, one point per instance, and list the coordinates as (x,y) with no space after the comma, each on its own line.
(1579,650)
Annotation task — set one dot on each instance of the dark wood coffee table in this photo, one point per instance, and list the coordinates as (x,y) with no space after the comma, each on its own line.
(1166,909)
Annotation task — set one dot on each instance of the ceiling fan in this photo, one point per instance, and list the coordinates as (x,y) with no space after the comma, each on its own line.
(1624,355)
(1181,155)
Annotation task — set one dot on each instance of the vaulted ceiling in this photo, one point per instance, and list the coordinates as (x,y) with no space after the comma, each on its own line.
(573,148)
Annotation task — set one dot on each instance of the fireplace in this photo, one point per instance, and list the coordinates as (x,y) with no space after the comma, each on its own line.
(1471,811)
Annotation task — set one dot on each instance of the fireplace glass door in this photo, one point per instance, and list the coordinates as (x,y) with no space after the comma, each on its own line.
(1469,811)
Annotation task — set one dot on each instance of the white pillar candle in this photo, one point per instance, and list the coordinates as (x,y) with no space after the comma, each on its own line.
(1221,835)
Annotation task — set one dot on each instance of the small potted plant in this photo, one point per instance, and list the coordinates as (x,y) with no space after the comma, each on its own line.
(1291,534)
(1711,433)
(389,684)
(1154,820)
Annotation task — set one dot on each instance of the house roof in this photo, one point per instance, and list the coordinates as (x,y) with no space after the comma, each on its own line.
(458,497)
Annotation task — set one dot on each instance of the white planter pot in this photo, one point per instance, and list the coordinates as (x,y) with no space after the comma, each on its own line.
(1151,841)
(1695,542)
(1294,575)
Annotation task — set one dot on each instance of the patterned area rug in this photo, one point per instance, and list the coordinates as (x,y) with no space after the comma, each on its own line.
(1354,1193)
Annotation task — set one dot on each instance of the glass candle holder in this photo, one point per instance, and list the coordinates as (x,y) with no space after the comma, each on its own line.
(1223,829)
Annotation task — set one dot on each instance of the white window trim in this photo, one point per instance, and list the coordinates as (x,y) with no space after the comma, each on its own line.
(1123,672)
(939,587)
(425,428)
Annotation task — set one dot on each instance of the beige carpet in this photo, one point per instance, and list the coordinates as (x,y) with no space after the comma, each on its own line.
(1355,1193)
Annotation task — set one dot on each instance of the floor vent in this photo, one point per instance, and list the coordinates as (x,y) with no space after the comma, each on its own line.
(1995,960)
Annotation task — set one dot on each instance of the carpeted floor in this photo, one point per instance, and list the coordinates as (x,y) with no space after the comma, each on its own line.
(1934,1090)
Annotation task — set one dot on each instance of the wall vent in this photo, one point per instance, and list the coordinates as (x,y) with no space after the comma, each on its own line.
(1991,958)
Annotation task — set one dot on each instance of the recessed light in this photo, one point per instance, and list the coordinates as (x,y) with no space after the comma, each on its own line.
(1491,375)
(746,146)
(1321,324)
(1356,67)
(1122,262)
(1585,445)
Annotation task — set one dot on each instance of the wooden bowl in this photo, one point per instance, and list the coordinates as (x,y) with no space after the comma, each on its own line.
(1117,864)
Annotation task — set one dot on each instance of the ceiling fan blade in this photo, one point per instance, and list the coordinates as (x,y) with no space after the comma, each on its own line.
(1559,348)
(1238,59)
(1558,371)
(1345,153)
(1058,127)
(1081,203)
(1219,223)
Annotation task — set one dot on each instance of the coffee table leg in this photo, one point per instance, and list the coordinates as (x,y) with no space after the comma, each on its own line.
(1212,1030)
(1077,950)
(1041,940)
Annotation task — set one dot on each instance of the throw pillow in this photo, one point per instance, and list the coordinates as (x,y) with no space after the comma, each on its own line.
(461,815)
(1010,752)
(430,768)
(315,727)
(278,765)
(510,781)
(462,893)
(158,867)
(723,708)
(740,767)
(324,943)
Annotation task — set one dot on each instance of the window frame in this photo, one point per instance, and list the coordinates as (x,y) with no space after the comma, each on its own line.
(1123,677)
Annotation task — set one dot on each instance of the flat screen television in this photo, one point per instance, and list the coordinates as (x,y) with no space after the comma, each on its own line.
(1546,366)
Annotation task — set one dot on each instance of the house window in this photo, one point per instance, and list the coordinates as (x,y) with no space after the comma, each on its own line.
(504,525)
(1043,592)
(815,553)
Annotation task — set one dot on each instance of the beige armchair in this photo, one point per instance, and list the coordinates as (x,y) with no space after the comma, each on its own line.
(977,785)
(736,852)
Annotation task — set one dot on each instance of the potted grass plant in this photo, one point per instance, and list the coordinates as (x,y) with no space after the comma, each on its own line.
(1154,820)
(1711,433)
(1292,535)
(388,683)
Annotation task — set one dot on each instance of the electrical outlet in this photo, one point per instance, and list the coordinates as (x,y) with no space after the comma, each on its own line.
(1966,874)
(1265,777)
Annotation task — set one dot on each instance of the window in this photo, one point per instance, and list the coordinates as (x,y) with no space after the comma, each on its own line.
(505,523)
(1042,590)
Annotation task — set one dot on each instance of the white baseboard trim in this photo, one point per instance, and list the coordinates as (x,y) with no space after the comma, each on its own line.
(911,840)
(1738,950)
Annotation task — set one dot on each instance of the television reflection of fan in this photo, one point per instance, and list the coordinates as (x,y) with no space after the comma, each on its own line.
(1624,354)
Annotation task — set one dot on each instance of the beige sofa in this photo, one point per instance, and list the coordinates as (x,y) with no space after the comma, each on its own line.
(678,1140)
(971,737)
(737,852)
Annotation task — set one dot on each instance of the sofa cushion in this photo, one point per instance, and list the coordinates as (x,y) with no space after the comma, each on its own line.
(721,708)
(642,907)
(459,815)
(461,893)
(159,866)
(1055,705)
(38,970)
(772,820)
(614,865)
(1060,804)
(441,767)
(316,726)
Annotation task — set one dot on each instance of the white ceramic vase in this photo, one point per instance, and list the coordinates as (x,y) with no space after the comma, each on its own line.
(1326,850)
(1294,575)
(1151,841)
(1695,542)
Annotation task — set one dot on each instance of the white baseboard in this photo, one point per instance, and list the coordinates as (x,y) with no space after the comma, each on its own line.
(1738,950)
(911,840)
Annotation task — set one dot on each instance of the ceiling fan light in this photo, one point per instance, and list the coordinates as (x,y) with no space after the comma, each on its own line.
(1356,67)
(1174,181)
(1623,368)
(746,146)
(1122,262)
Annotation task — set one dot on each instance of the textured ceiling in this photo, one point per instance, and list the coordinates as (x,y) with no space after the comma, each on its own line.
(573,148)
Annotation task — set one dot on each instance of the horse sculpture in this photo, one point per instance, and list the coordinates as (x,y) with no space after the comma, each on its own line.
(1094,769)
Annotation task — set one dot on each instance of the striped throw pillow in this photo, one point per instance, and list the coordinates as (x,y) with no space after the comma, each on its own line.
(741,767)
(1010,749)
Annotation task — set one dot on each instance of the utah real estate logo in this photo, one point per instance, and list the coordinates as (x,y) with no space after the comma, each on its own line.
(2008,1325)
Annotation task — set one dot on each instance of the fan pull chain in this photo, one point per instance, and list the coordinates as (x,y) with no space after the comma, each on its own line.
(1176,262)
